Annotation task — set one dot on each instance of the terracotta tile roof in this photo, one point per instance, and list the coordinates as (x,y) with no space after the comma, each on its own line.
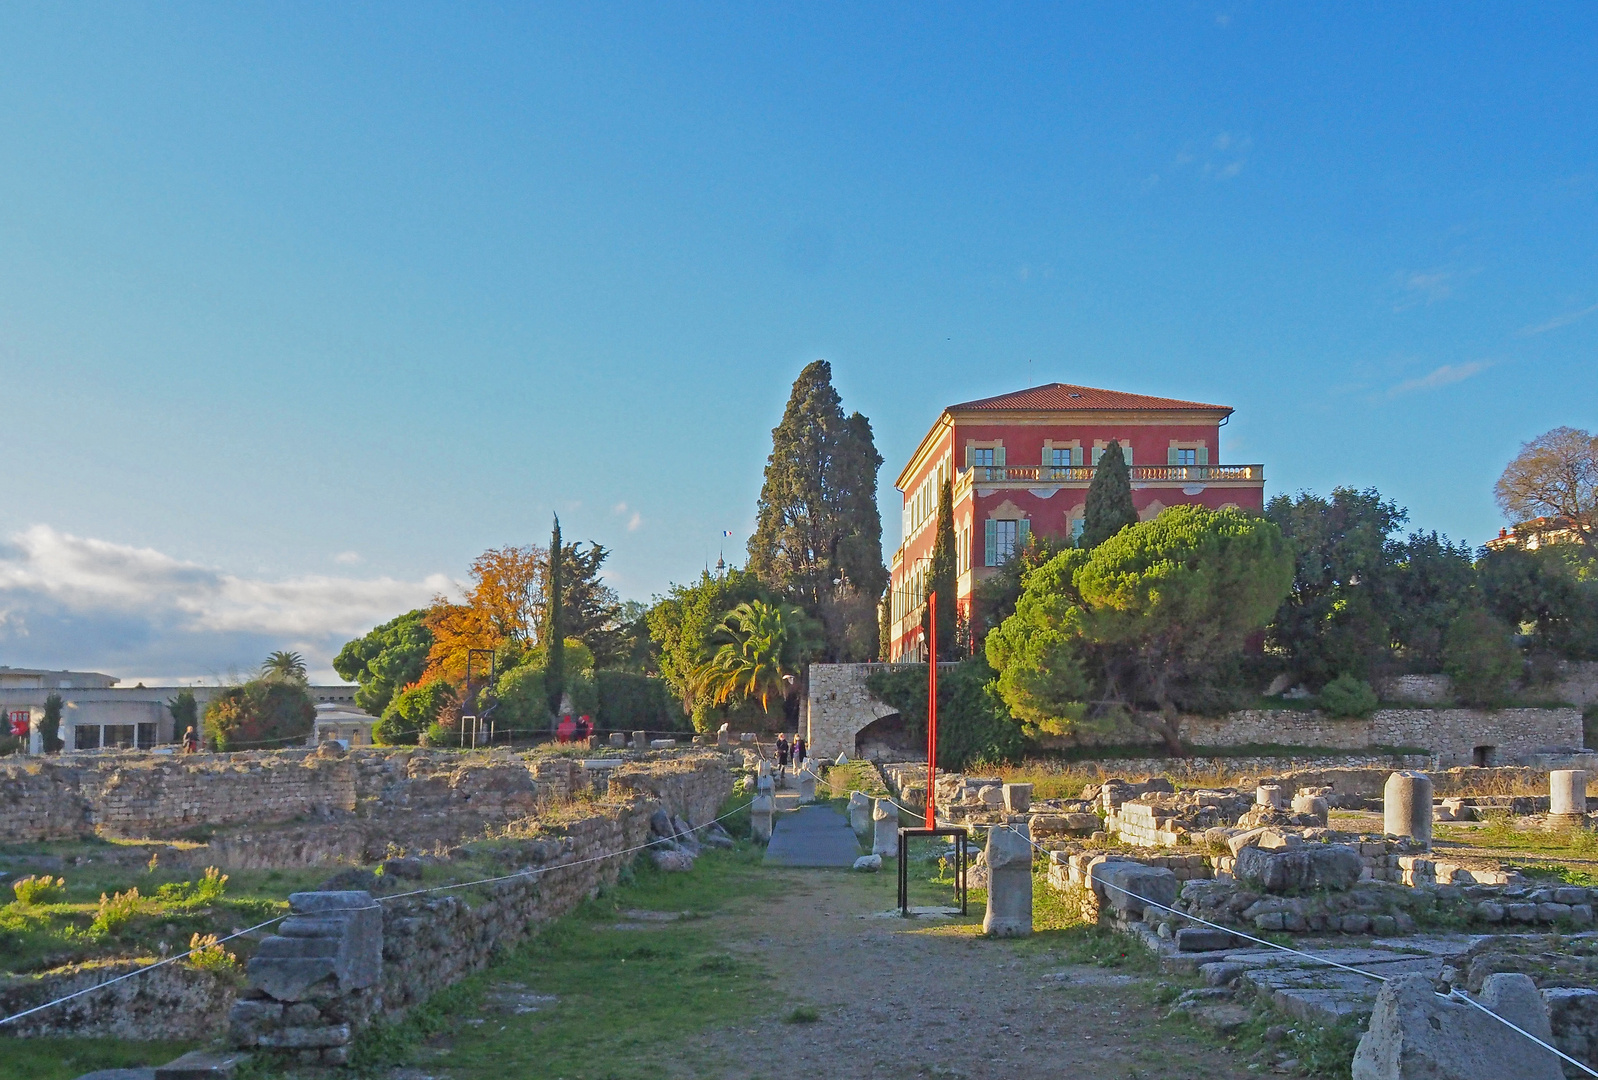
(1066,396)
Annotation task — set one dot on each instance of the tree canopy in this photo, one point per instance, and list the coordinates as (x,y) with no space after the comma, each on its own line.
(385,659)
(684,624)
(818,533)
(1157,605)
(284,665)
(260,714)
(762,653)
(1109,507)
(1555,475)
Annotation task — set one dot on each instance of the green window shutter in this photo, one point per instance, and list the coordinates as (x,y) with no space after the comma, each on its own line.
(1022,528)
(1203,455)
(998,455)
(1126,452)
(1170,456)
(990,541)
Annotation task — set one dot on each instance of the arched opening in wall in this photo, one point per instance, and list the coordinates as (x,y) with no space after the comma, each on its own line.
(884,739)
(1483,756)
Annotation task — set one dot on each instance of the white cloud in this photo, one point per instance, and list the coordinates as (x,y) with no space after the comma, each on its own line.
(1446,375)
(634,522)
(70,601)
(1560,320)
(348,558)
(619,508)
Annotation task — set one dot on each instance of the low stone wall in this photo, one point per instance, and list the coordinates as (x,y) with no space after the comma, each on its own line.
(428,942)
(171,1002)
(147,796)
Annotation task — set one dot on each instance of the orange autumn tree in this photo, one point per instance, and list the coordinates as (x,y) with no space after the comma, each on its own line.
(502,612)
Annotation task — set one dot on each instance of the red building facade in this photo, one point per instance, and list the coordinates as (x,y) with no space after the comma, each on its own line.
(1021,463)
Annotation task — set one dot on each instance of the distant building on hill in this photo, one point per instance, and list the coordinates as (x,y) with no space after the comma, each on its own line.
(1536,533)
(1022,462)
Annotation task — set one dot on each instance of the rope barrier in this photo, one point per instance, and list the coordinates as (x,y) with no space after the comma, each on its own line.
(380,901)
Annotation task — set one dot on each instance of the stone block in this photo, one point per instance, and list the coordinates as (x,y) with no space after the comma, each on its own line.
(337,947)
(618,739)
(991,796)
(248,1017)
(1277,840)
(807,786)
(1127,887)
(640,740)
(868,863)
(1009,863)
(200,1065)
(1018,798)
(672,862)
(860,812)
(1270,795)
(1314,866)
(760,813)
(1414,1033)
(306,1038)
(1205,939)
(885,828)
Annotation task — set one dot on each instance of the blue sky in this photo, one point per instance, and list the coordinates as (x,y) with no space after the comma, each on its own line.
(301,307)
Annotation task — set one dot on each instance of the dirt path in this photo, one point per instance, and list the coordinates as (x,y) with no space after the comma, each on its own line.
(892,999)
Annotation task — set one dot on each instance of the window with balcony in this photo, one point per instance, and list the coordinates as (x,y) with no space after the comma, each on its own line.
(982,455)
(1064,456)
(1184,456)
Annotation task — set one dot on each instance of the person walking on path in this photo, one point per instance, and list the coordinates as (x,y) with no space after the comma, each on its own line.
(798,753)
(782,756)
(191,742)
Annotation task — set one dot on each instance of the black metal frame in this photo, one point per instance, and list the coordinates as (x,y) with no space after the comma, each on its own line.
(961,861)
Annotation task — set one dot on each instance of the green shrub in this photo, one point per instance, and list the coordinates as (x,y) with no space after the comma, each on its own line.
(411,711)
(439,735)
(1348,695)
(262,713)
(39,890)
(629,702)
(1479,654)
(115,911)
(973,722)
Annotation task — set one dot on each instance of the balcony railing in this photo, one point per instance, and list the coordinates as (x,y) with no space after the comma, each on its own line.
(1082,474)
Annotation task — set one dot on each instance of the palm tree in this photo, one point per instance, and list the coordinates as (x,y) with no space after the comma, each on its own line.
(284,665)
(766,644)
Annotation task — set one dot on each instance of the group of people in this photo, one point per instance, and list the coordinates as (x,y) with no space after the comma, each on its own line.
(787,753)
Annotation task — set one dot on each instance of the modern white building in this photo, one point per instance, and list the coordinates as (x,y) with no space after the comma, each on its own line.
(98,714)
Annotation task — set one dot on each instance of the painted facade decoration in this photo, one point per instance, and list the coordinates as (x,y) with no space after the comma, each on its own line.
(1021,464)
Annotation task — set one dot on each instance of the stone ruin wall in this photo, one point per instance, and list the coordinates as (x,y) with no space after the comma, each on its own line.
(429,942)
(838,705)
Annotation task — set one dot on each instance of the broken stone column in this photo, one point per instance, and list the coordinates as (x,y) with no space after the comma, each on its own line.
(640,740)
(1009,861)
(760,812)
(1017,798)
(1270,795)
(763,768)
(1567,797)
(860,813)
(1311,806)
(310,980)
(1415,1033)
(885,828)
(807,786)
(766,785)
(618,739)
(1407,806)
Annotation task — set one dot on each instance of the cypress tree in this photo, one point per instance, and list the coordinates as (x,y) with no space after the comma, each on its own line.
(818,532)
(1109,505)
(554,628)
(941,576)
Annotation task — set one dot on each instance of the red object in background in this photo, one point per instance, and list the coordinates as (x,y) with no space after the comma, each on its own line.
(932,708)
(585,727)
(19,724)
(565,729)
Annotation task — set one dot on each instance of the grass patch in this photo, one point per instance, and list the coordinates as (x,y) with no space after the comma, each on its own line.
(802,1014)
(66,1058)
(586,999)
(855,776)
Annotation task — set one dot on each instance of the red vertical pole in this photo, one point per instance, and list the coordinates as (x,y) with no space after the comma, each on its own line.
(932,706)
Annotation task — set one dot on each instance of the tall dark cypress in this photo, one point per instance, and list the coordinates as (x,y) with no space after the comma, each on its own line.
(941,576)
(1109,504)
(554,627)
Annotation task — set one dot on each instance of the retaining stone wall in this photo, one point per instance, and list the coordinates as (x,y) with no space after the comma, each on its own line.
(429,941)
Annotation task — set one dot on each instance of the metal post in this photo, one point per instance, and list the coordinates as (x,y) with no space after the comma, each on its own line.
(932,706)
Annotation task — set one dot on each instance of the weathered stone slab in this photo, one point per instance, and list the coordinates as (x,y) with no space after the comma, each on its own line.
(885,828)
(1415,1033)
(336,946)
(1009,863)
(1314,866)
(1126,886)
